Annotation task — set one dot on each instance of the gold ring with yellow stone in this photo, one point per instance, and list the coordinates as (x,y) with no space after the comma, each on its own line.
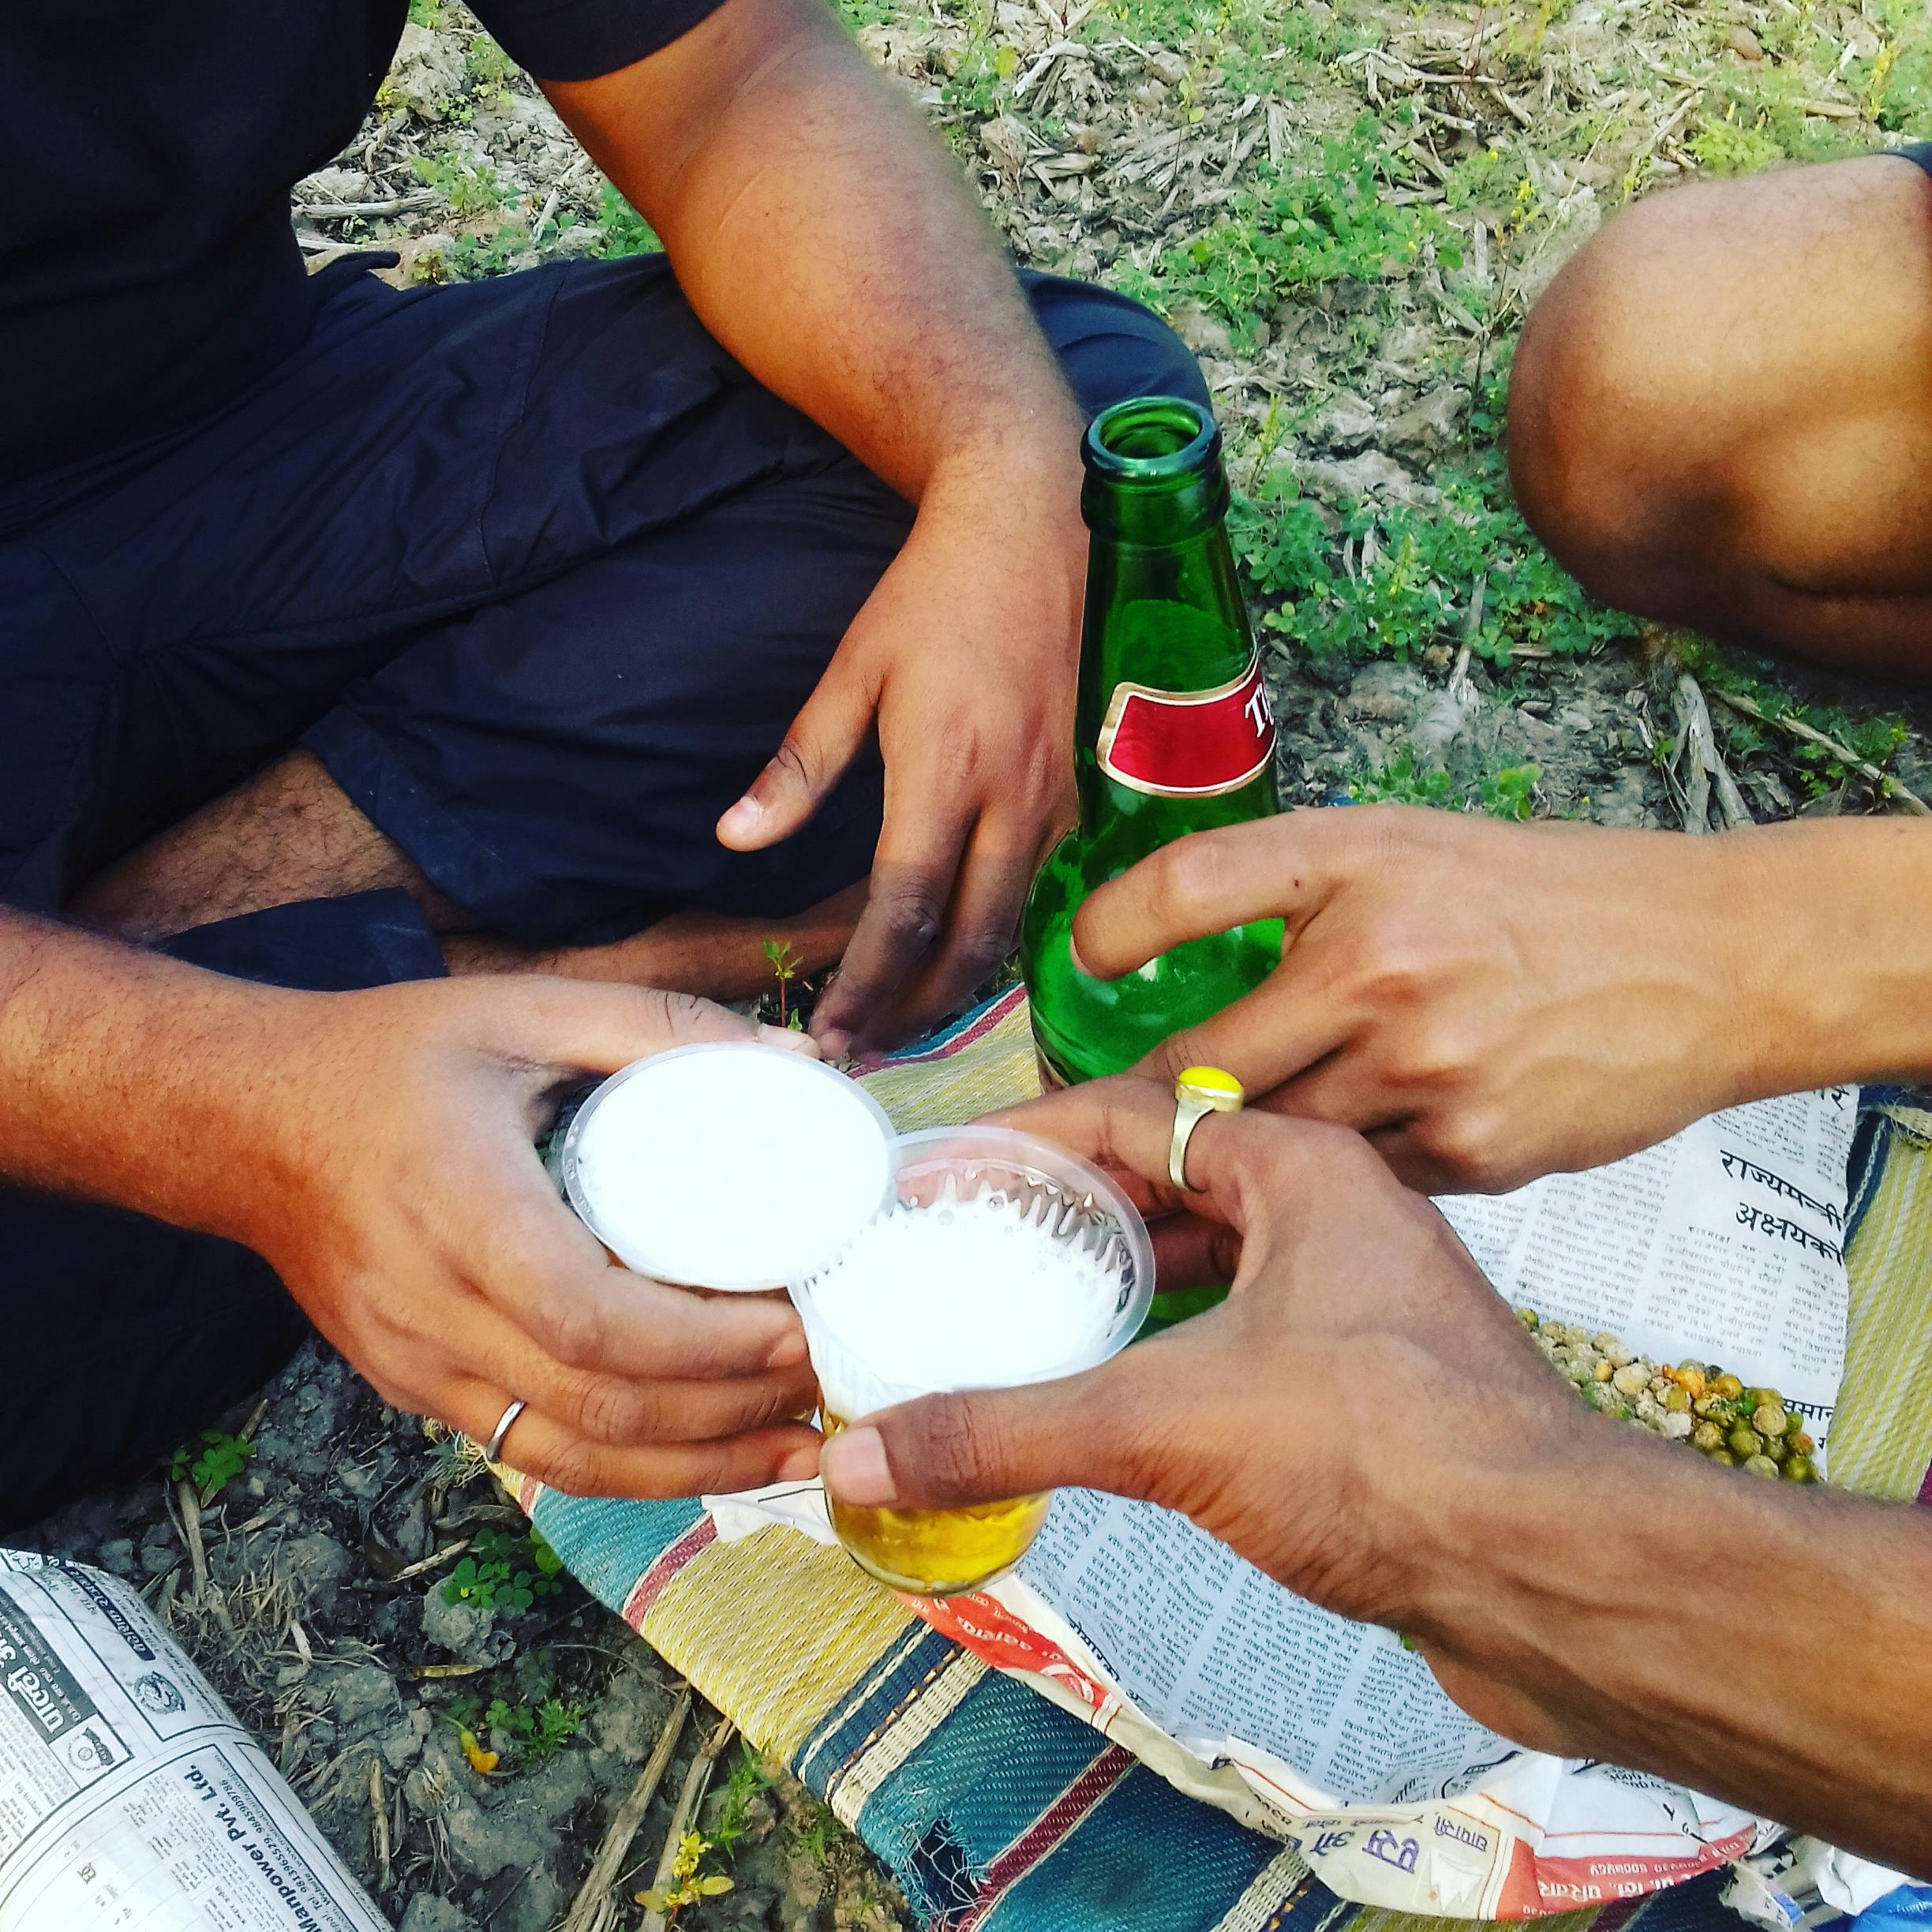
(1199,1090)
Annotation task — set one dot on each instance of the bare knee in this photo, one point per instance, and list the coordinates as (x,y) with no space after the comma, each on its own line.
(1706,353)
(1605,392)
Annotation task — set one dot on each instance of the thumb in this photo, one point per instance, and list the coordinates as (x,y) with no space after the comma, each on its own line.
(986,1445)
(824,739)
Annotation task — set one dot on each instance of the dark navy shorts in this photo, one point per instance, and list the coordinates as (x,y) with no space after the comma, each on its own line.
(541,576)
(531,564)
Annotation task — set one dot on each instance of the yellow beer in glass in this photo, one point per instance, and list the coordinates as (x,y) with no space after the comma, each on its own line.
(1000,1259)
(936,1552)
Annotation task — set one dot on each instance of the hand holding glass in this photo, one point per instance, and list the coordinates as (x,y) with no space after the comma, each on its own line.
(999,1260)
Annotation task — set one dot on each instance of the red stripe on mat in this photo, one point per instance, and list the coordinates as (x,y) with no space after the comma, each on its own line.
(874,1063)
(1046,1830)
(650,1585)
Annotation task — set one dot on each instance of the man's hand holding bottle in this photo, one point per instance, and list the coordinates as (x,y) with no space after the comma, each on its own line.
(1489,1002)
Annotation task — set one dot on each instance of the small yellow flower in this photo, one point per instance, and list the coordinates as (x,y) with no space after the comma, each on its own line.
(481,1761)
(686,1887)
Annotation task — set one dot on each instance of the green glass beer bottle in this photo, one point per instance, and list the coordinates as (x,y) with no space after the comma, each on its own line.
(1172,736)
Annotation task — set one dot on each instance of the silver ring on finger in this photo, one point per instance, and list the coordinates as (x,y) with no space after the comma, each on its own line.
(492,1450)
(1199,1090)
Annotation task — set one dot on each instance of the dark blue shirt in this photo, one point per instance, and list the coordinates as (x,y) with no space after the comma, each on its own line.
(147,268)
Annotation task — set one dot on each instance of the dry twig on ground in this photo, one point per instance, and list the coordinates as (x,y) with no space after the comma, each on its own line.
(695,1780)
(594,1894)
(1705,769)
(1891,788)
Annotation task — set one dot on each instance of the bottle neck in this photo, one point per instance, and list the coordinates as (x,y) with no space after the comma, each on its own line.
(1173,729)
(1172,717)
(1171,511)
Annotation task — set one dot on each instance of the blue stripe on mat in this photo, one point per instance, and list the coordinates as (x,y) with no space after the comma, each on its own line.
(608,1545)
(1150,1857)
(1691,1906)
(1008,1754)
(840,1742)
(960,1822)
(1870,1143)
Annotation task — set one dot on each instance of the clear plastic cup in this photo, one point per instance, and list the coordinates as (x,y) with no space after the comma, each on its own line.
(729,1165)
(1068,1207)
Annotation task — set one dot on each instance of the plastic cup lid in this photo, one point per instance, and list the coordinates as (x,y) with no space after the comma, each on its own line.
(730,1166)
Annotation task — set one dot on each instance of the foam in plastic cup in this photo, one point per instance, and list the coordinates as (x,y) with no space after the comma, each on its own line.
(1000,1261)
(726,1165)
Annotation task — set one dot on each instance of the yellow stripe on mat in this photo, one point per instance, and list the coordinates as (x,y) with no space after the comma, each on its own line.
(775,1628)
(1881,1436)
(1372,1919)
(996,1070)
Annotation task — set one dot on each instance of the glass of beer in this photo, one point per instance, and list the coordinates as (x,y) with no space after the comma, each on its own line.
(998,1260)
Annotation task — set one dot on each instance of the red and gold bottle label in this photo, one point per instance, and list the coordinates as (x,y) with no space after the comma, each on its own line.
(1188,744)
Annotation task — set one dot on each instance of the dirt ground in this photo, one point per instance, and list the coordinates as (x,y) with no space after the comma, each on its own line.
(1346,209)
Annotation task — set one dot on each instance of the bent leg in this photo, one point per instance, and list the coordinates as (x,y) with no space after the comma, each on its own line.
(550,766)
(290,833)
(1720,413)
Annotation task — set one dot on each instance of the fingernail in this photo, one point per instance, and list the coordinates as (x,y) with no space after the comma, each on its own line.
(792,1039)
(854,1466)
(800,1465)
(1080,965)
(742,820)
(787,1351)
(835,1043)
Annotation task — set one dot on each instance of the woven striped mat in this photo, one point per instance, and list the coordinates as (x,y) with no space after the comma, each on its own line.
(994,1808)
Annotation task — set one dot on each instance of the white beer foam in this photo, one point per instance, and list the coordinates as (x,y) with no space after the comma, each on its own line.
(981,1292)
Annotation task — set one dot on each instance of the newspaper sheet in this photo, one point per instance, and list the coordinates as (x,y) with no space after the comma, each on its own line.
(1725,1244)
(129,1796)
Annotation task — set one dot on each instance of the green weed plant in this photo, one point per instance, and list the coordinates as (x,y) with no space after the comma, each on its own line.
(211,1462)
(505,1572)
(1320,220)
(470,187)
(1419,587)
(747,1780)
(624,230)
(1507,793)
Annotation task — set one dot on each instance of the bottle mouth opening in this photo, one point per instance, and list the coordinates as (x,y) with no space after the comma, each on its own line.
(1150,439)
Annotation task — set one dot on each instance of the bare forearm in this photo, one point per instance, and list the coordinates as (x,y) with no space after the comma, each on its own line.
(1828,932)
(824,236)
(128,1078)
(1761,1644)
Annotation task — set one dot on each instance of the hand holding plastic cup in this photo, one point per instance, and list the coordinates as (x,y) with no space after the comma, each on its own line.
(1000,1261)
(726,1166)
(958,1258)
